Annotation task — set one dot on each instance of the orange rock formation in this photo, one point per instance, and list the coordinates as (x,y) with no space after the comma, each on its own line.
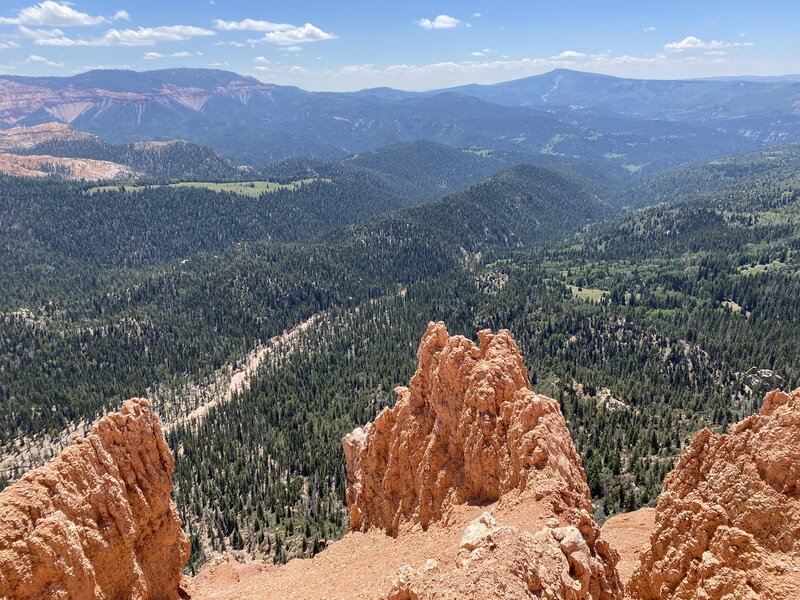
(470,487)
(728,518)
(470,431)
(98,521)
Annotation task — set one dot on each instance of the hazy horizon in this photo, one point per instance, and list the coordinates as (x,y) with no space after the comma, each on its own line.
(414,46)
(789,77)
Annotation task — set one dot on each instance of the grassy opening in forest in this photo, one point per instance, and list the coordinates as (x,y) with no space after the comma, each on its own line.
(252,189)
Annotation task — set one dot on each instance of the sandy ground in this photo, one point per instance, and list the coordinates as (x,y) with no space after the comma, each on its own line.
(360,565)
(629,533)
(363,565)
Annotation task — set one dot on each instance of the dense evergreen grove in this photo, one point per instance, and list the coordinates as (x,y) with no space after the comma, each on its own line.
(643,326)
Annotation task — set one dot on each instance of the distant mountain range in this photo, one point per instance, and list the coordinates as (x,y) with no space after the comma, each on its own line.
(626,124)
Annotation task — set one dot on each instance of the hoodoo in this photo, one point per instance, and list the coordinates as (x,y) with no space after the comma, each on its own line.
(469,431)
(98,522)
(728,519)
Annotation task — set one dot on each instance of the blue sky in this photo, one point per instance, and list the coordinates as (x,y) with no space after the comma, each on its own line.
(411,45)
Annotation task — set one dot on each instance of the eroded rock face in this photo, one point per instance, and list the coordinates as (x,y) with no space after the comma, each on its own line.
(469,430)
(78,169)
(20,138)
(501,562)
(728,519)
(98,521)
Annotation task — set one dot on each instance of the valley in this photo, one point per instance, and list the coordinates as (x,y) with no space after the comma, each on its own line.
(261,263)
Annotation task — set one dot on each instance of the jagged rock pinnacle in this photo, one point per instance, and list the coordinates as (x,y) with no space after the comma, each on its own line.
(469,430)
(728,518)
(98,521)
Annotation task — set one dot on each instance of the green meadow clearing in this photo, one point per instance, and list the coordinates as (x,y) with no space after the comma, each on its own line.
(243,188)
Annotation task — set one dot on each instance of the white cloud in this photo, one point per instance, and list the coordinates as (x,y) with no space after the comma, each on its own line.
(8,44)
(649,29)
(217,65)
(477,15)
(53,14)
(472,67)
(251,25)
(283,34)
(158,55)
(298,35)
(100,67)
(261,60)
(121,15)
(39,36)
(694,43)
(142,36)
(569,54)
(440,22)
(358,69)
(35,58)
(293,48)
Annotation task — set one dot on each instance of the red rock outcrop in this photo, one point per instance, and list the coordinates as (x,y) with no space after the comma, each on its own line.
(469,431)
(728,518)
(97,522)
(502,562)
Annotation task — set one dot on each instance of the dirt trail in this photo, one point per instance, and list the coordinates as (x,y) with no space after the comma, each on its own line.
(240,378)
(33,451)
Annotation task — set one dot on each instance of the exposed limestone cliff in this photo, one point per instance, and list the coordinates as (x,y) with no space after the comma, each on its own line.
(470,431)
(77,169)
(21,138)
(98,521)
(728,519)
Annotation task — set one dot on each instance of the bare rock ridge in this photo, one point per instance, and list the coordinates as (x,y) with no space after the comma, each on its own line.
(728,518)
(21,138)
(469,431)
(98,521)
(77,169)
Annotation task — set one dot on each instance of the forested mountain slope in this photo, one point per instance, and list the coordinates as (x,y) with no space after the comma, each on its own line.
(642,343)
(576,115)
(689,100)
(419,170)
(173,159)
(757,180)
(165,253)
